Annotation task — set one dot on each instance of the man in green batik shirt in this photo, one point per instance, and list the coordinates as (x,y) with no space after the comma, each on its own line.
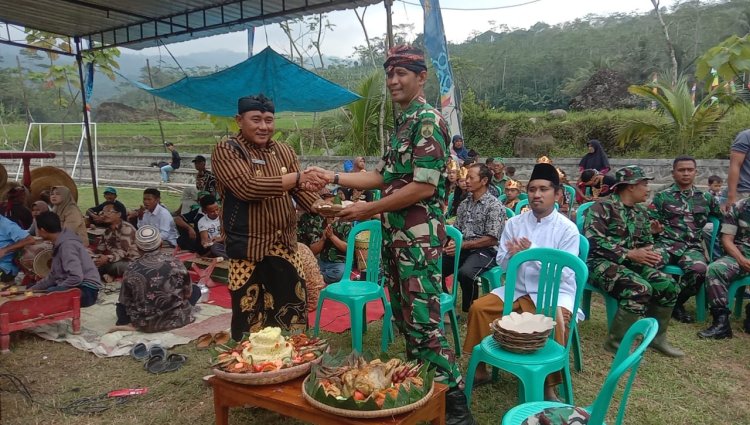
(326,238)
(412,176)
(683,211)
(622,261)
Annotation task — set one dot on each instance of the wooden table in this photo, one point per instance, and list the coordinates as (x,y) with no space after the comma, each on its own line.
(21,312)
(286,399)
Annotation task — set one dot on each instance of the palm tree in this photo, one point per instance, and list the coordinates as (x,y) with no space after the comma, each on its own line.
(360,119)
(683,124)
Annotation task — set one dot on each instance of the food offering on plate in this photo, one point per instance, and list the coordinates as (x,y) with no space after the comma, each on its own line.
(354,383)
(267,351)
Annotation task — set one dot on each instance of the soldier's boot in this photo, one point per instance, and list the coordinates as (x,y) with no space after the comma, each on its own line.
(720,328)
(746,323)
(679,313)
(660,343)
(620,324)
(457,410)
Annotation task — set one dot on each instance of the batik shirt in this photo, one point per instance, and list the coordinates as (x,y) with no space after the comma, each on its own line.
(155,291)
(310,228)
(485,217)
(119,243)
(683,213)
(416,153)
(613,228)
(206,182)
(737,222)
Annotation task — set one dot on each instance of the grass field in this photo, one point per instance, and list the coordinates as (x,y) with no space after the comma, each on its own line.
(707,387)
(143,136)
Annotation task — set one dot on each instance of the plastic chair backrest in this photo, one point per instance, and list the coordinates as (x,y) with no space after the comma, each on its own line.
(570,189)
(520,204)
(373,253)
(503,197)
(581,215)
(523,195)
(714,234)
(583,248)
(458,239)
(552,262)
(625,361)
(509,212)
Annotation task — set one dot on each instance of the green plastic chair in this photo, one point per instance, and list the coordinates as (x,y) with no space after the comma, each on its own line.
(736,295)
(675,270)
(583,254)
(572,191)
(523,195)
(355,294)
(610,302)
(448,301)
(502,198)
(532,368)
(624,363)
(509,212)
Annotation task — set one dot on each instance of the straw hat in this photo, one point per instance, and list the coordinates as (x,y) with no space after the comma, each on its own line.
(43,178)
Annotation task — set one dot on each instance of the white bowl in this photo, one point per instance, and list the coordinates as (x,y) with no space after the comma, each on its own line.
(526,323)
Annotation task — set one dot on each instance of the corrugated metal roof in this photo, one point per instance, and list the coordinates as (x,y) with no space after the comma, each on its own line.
(142,23)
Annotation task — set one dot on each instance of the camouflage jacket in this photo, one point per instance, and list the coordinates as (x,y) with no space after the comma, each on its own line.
(737,222)
(119,243)
(683,213)
(613,228)
(310,228)
(416,153)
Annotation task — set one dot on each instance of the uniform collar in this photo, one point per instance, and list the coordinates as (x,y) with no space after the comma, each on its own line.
(415,104)
(676,189)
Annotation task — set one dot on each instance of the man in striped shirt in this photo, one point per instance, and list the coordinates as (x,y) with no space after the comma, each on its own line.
(257,178)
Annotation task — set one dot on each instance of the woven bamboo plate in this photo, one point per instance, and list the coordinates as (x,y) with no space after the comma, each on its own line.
(266,378)
(367,414)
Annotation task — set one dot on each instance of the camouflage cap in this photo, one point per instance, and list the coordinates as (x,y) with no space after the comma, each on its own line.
(632,174)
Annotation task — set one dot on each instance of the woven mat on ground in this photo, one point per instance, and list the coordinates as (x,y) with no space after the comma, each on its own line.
(99,318)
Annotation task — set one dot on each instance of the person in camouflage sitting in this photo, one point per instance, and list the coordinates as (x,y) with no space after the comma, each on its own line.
(623,263)
(326,238)
(735,239)
(683,211)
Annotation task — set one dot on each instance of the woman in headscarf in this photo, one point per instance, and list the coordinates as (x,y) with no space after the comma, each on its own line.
(37,208)
(70,215)
(459,148)
(595,159)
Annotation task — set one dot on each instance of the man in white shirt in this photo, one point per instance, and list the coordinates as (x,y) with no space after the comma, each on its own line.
(209,227)
(154,214)
(543,227)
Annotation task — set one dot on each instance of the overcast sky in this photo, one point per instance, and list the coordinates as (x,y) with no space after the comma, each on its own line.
(459,24)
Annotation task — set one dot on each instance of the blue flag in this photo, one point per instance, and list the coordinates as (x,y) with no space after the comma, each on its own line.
(437,49)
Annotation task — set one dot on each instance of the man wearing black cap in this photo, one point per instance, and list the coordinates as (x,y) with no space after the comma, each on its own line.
(540,227)
(257,178)
(205,181)
(412,176)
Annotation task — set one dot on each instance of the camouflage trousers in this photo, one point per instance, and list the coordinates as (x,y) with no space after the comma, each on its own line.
(692,261)
(721,274)
(414,282)
(634,286)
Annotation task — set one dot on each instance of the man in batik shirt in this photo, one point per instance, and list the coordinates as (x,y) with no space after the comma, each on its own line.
(412,175)
(683,210)
(480,219)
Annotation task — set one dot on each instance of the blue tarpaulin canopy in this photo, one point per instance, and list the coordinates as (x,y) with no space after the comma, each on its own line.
(291,87)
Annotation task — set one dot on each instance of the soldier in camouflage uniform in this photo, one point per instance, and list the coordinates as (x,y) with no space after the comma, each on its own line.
(623,263)
(412,175)
(327,239)
(734,265)
(683,211)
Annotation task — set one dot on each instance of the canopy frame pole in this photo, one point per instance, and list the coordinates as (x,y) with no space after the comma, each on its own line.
(86,123)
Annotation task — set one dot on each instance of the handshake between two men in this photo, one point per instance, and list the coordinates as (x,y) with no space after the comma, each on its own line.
(313,179)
